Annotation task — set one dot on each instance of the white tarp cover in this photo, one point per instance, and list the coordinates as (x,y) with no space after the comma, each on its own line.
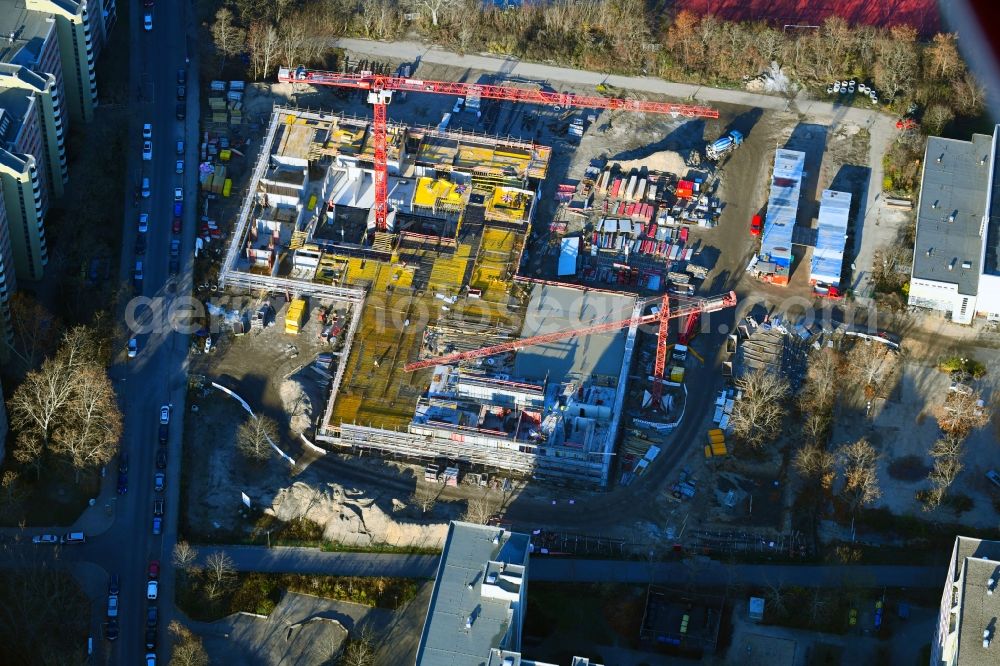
(828,256)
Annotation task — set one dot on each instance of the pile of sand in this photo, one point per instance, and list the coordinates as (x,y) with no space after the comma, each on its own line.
(348,517)
(665,160)
(297,405)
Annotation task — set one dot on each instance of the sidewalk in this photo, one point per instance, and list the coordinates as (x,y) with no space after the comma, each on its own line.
(514,67)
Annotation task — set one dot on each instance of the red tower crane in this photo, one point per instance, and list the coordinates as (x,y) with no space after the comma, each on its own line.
(686,307)
(380,88)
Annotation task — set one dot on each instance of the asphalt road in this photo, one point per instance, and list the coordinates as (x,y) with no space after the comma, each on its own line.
(157,375)
(698,570)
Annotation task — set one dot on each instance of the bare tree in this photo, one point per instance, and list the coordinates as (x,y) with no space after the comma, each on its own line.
(861,485)
(942,58)
(896,61)
(254,437)
(886,263)
(184,555)
(435,7)
(942,475)
(814,462)
(36,330)
(968,94)
(936,117)
(961,413)
(758,415)
(424,497)
(39,402)
(294,33)
(875,364)
(12,493)
(229,38)
(823,380)
(360,648)
(29,450)
(480,509)
(219,574)
(263,44)
(188,649)
(91,427)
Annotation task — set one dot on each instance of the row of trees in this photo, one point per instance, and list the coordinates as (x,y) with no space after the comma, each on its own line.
(616,35)
(66,410)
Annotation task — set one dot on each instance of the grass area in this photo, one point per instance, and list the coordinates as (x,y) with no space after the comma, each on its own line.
(260,593)
(583,616)
(55,499)
(47,618)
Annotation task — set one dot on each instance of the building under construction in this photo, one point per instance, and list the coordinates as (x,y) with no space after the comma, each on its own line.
(441,278)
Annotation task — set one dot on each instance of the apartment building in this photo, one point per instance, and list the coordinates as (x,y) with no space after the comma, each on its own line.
(23,180)
(62,38)
(8,285)
(966,627)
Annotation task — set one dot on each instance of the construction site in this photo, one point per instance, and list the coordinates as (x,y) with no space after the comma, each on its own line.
(406,243)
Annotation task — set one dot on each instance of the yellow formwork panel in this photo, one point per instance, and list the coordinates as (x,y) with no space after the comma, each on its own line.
(430,190)
(498,240)
(359,270)
(448,272)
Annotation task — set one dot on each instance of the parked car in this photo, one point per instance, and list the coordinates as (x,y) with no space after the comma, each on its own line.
(755,225)
(174,266)
(180,111)
(178,194)
(140,245)
(143,222)
(113,585)
(111,630)
(133,347)
(164,433)
(147,21)
(157,525)
(154,569)
(176,226)
(175,247)
(147,150)
(161,459)
(994,477)
(45,538)
(181,93)
(152,616)
(164,414)
(151,639)
(180,147)
(123,463)
(75,537)
(180,166)
(113,605)
(122,484)
(145,188)
(181,76)
(150,659)
(158,481)
(137,276)
(147,131)
(151,589)
(158,507)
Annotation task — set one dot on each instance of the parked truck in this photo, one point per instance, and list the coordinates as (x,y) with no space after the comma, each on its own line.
(724,145)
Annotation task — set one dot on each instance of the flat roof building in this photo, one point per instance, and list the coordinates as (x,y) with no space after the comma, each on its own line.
(476,612)
(966,632)
(955,254)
